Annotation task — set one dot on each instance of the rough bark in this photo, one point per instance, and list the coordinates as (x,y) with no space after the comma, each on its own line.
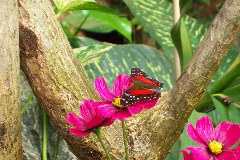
(50,66)
(10,123)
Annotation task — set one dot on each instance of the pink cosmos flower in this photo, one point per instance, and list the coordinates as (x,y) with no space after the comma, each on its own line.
(215,142)
(187,156)
(110,107)
(91,119)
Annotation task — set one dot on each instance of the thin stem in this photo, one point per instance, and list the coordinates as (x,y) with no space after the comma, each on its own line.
(26,104)
(80,26)
(99,135)
(56,148)
(45,136)
(176,16)
(125,139)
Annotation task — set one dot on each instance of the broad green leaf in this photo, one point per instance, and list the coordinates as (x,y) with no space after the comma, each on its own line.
(221,109)
(83,41)
(215,117)
(233,92)
(156,17)
(231,74)
(120,59)
(174,153)
(98,22)
(225,64)
(205,103)
(89,54)
(234,113)
(122,25)
(60,4)
(86,5)
(185,6)
(182,42)
(75,19)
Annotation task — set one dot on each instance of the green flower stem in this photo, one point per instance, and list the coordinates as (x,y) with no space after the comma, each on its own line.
(125,140)
(56,148)
(45,136)
(99,135)
(26,104)
(218,95)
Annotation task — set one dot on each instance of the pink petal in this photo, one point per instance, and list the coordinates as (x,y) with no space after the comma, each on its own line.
(226,155)
(108,121)
(187,156)
(121,114)
(205,129)
(121,84)
(107,110)
(150,104)
(80,133)
(95,122)
(194,134)
(136,108)
(87,110)
(76,121)
(200,153)
(227,133)
(103,89)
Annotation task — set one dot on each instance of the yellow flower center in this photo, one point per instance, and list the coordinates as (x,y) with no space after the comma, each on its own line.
(117,102)
(215,147)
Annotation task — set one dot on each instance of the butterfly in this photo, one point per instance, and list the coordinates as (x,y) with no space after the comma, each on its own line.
(142,88)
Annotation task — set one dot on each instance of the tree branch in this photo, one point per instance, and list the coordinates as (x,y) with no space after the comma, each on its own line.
(10,116)
(60,86)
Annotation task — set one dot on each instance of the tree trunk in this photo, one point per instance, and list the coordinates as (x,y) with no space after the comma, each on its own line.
(10,123)
(60,83)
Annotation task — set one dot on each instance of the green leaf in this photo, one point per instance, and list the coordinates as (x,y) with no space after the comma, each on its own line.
(77,42)
(221,109)
(233,92)
(98,22)
(75,18)
(185,6)
(174,153)
(122,25)
(85,5)
(89,54)
(234,113)
(156,17)
(231,74)
(182,42)
(225,64)
(120,60)
(205,103)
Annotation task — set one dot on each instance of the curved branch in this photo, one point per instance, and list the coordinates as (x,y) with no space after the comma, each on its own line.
(60,86)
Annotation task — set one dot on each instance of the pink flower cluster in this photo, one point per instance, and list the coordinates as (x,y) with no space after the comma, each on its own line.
(215,142)
(98,114)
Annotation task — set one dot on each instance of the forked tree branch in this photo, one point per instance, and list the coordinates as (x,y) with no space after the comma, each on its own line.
(60,83)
